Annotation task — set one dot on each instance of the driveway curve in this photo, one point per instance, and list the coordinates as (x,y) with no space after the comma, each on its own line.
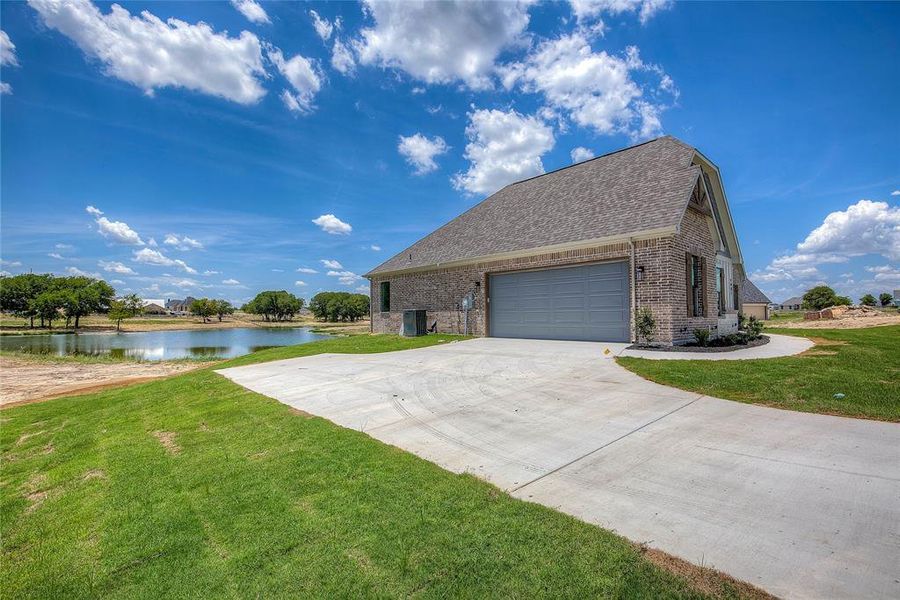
(802,505)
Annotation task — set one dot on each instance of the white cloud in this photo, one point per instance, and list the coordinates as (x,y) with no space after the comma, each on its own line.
(345,277)
(375,248)
(57,256)
(151,53)
(442,42)
(581,153)
(303,75)
(323,26)
(299,283)
(595,89)
(587,10)
(111,266)
(182,243)
(5,274)
(420,151)
(64,246)
(117,282)
(895,193)
(331,224)
(7,51)
(885,273)
(185,283)
(865,228)
(253,11)
(209,273)
(117,231)
(231,281)
(155,257)
(15,263)
(503,147)
(308,271)
(342,58)
(5,88)
(76,272)
(362,289)
(331,264)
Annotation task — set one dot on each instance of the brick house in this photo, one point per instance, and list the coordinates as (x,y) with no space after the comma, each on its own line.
(574,253)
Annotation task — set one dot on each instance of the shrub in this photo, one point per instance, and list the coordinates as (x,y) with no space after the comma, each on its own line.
(821,297)
(645,325)
(885,298)
(339,306)
(868,300)
(754,328)
(702,337)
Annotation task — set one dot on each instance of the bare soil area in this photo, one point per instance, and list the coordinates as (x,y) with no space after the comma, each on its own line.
(23,381)
(845,322)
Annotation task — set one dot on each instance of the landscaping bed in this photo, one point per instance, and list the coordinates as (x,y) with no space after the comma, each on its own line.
(710,347)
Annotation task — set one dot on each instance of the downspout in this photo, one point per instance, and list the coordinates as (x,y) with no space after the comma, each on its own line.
(633,289)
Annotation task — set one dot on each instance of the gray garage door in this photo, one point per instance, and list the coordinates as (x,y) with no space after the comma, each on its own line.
(589,302)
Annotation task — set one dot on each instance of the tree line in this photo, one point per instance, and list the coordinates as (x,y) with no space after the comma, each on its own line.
(339,306)
(274,306)
(48,298)
(823,296)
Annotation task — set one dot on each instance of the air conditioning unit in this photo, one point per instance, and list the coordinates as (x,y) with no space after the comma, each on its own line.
(414,323)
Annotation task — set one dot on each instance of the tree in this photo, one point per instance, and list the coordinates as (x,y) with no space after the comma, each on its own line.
(339,306)
(84,295)
(126,308)
(868,300)
(203,307)
(274,306)
(47,306)
(18,293)
(885,298)
(223,307)
(821,297)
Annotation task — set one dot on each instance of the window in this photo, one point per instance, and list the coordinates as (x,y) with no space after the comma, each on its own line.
(695,282)
(385,294)
(720,290)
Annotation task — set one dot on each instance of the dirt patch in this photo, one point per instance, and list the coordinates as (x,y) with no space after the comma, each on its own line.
(25,436)
(23,381)
(818,341)
(35,492)
(703,579)
(94,474)
(845,321)
(817,353)
(167,439)
(301,413)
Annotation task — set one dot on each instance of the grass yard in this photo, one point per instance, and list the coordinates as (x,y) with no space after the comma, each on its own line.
(862,364)
(193,486)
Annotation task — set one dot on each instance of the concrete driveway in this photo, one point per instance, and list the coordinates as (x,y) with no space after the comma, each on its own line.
(804,506)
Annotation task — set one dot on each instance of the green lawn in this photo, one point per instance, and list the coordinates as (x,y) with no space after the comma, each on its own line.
(862,364)
(193,486)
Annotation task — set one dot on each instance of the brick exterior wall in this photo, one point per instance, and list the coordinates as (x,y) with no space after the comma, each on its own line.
(662,287)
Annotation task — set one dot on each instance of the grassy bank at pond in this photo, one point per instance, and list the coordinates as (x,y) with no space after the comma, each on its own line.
(194,486)
(861,364)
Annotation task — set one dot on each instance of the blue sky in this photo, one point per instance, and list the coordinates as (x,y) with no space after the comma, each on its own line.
(221,147)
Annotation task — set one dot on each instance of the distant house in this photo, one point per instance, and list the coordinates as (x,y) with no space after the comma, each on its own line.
(180,307)
(794,303)
(753,302)
(152,308)
(897,298)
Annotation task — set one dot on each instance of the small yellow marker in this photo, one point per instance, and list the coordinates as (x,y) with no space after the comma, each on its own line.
(606,351)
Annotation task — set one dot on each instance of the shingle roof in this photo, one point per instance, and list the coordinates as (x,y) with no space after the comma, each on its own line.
(750,294)
(641,188)
(792,301)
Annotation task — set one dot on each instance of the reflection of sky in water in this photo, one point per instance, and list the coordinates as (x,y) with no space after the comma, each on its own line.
(162,345)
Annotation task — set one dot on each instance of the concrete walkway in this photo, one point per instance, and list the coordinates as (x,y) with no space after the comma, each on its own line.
(779,345)
(805,506)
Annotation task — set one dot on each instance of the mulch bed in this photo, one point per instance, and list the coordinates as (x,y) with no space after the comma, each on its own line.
(693,347)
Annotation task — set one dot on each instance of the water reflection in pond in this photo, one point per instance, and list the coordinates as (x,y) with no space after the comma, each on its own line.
(163,345)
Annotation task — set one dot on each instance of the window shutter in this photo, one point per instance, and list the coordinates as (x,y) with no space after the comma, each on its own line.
(703,301)
(689,292)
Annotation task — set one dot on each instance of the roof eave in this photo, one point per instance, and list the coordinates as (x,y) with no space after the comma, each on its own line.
(603,241)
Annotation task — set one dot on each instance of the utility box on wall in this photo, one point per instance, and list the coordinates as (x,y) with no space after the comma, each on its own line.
(414,323)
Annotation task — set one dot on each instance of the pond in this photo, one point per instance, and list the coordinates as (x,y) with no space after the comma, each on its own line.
(163,345)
